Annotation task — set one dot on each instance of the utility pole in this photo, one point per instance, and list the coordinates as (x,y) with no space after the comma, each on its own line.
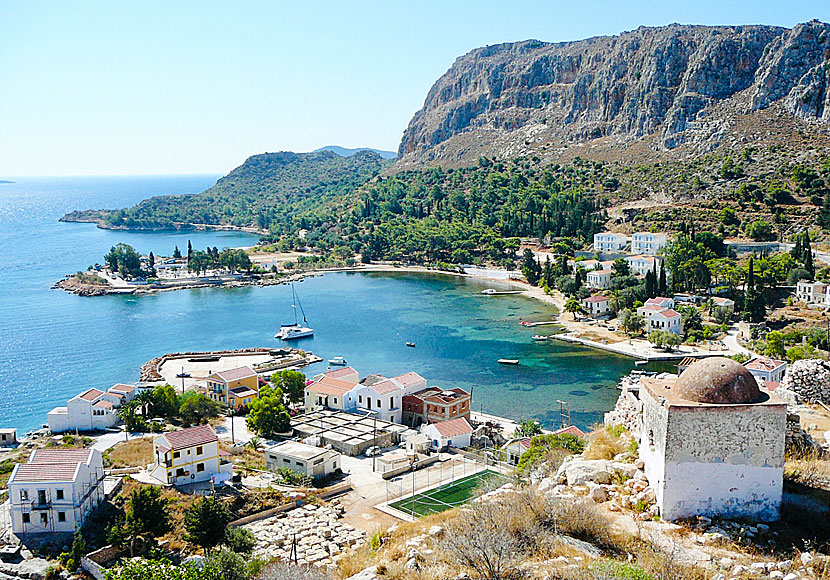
(233,439)
(374,439)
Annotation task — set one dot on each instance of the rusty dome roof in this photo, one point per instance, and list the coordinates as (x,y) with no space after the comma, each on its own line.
(719,381)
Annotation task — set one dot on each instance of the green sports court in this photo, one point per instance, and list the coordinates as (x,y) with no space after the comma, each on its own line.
(446,496)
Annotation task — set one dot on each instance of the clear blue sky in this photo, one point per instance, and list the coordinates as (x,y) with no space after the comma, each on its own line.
(103,88)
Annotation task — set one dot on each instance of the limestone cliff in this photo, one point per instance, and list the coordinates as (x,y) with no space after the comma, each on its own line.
(667,86)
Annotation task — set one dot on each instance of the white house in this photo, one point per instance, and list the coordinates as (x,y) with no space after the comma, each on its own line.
(55,490)
(641,264)
(660,301)
(811,292)
(329,390)
(767,369)
(596,305)
(302,458)
(87,411)
(609,242)
(189,456)
(452,433)
(647,243)
(660,318)
(8,437)
(721,302)
(598,279)
(384,396)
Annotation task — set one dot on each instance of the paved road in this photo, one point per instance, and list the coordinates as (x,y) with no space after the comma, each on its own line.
(108,440)
(240,430)
(733,344)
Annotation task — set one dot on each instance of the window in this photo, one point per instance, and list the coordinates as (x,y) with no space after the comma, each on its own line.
(41,496)
(44,518)
(24,495)
(176,455)
(180,472)
(59,494)
(286,460)
(61,516)
(360,399)
(200,467)
(199,450)
(335,400)
(26,518)
(379,404)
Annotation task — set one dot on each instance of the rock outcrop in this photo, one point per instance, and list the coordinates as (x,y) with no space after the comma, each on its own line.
(806,381)
(657,82)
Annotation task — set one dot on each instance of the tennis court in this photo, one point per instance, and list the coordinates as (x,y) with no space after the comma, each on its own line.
(446,496)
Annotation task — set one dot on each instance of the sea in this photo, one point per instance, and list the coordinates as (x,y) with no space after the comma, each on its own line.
(54,344)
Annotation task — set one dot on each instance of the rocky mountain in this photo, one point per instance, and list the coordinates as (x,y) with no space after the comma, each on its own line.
(348,152)
(677,87)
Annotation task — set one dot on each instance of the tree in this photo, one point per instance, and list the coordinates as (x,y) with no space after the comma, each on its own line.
(722,314)
(240,540)
(127,413)
(572,305)
(620,268)
(662,286)
(759,230)
(656,337)
(147,515)
(691,318)
(206,522)
(528,428)
(166,402)
(141,569)
(225,565)
(651,284)
(631,322)
(123,258)
(530,267)
(292,384)
(177,253)
(197,408)
(267,414)
(151,259)
(775,345)
(663,339)
(189,249)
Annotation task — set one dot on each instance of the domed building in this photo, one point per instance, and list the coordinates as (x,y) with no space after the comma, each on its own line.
(712,441)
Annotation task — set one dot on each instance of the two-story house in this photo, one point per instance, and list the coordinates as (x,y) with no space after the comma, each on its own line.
(767,369)
(597,305)
(234,387)
(90,410)
(434,404)
(647,243)
(810,292)
(609,242)
(383,396)
(641,265)
(599,279)
(330,390)
(189,456)
(660,318)
(55,490)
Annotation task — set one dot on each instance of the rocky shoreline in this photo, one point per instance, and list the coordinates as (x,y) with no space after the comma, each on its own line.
(96,217)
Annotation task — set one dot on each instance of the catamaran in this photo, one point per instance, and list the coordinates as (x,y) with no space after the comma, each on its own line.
(296,330)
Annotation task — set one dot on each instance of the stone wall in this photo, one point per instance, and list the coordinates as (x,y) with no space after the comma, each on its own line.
(806,381)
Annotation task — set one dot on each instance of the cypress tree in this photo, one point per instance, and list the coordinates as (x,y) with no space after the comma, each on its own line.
(750,277)
(189,249)
(808,256)
(651,284)
(662,287)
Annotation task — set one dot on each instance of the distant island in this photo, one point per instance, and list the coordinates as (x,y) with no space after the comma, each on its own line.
(4,181)
(346,152)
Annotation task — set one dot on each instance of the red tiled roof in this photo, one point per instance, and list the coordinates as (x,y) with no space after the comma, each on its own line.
(190,437)
(763,363)
(386,386)
(453,427)
(570,430)
(596,298)
(409,378)
(329,386)
(103,405)
(235,374)
(599,272)
(122,388)
(91,394)
(37,472)
(60,456)
(653,307)
(340,373)
(668,313)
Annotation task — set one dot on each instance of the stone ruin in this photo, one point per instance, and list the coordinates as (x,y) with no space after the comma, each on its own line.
(806,381)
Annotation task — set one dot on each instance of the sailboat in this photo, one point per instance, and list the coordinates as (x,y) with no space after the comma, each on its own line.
(296,330)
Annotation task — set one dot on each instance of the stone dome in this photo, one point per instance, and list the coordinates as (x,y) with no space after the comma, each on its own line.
(719,381)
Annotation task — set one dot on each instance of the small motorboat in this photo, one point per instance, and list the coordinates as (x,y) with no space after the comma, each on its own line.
(183,375)
(337,361)
(410,344)
(539,337)
(508,361)
(488,291)
(640,363)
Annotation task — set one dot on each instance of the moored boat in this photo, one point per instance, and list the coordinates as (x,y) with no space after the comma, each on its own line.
(296,330)
(539,337)
(508,361)
(337,361)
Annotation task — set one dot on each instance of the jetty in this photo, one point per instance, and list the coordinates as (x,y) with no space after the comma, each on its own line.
(641,349)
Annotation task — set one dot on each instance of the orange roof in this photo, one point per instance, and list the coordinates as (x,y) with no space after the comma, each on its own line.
(190,437)
(91,394)
(600,272)
(763,363)
(570,430)
(386,386)
(329,386)
(340,373)
(453,427)
(409,378)
(60,455)
(103,405)
(37,472)
(596,298)
(122,388)
(234,374)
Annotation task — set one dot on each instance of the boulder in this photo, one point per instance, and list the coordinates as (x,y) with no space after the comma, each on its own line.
(597,493)
(581,471)
(366,574)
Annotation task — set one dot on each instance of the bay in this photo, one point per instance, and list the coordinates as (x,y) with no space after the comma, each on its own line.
(54,344)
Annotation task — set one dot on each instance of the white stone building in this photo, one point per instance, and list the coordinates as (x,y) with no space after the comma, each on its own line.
(189,456)
(610,242)
(305,459)
(91,410)
(660,318)
(647,243)
(384,397)
(767,369)
(55,490)
(453,433)
(811,292)
(599,279)
(713,442)
(642,265)
(597,305)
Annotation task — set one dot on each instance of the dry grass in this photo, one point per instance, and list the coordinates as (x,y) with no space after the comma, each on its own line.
(135,453)
(248,458)
(608,442)
(808,467)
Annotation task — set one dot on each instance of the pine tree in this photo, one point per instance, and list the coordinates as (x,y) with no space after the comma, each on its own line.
(177,253)
(547,275)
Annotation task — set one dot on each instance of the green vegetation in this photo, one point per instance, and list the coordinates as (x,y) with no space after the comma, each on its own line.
(206,522)
(548,450)
(267,414)
(123,258)
(162,402)
(146,518)
(292,384)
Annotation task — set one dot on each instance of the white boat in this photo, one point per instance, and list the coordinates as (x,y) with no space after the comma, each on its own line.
(539,337)
(296,330)
(508,361)
(338,361)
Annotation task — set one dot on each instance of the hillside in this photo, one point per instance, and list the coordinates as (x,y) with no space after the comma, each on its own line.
(259,193)
(649,94)
(346,152)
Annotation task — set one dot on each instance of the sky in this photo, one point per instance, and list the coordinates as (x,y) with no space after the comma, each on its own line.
(147,87)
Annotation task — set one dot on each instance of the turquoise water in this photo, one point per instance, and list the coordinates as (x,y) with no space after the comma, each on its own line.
(54,344)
